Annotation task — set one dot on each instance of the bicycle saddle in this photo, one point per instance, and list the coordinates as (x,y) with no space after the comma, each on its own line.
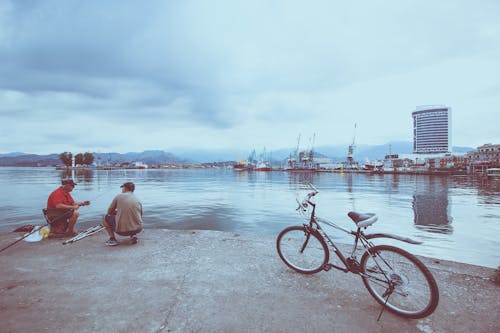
(363,220)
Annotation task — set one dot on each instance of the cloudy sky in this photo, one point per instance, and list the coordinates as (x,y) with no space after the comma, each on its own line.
(120,76)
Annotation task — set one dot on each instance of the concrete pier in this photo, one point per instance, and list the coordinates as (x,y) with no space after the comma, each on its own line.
(206,281)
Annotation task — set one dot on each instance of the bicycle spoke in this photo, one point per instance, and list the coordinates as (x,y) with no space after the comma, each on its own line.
(397,280)
(301,250)
(408,289)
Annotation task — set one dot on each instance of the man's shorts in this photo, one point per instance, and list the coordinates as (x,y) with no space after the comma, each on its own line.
(111,219)
(58,219)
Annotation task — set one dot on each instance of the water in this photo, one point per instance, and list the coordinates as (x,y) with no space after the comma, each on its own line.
(457,218)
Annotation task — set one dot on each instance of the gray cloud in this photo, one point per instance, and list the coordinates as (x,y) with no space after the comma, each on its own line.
(213,74)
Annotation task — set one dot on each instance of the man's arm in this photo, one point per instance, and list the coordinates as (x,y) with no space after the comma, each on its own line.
(65,206)
(112,207)
(83,203)
(60,200)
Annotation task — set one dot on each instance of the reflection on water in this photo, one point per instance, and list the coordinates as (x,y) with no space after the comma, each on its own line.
(298,177)
(82,175)
(447,213)
(431,206)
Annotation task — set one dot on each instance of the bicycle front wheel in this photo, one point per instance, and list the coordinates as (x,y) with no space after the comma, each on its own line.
(399,281)
(302,250)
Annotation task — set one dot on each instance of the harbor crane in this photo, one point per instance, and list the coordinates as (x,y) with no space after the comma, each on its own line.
(350,152)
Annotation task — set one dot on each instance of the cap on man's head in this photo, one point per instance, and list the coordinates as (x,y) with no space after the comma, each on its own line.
(129,186)
(68,182)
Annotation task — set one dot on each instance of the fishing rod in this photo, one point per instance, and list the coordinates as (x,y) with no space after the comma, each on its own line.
(37,229)
(81,235)
(92,230)
(101,194)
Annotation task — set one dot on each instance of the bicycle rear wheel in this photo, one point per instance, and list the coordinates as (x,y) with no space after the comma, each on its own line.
(302,250)
(399,281)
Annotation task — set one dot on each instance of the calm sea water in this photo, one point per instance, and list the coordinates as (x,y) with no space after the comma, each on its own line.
(457,218)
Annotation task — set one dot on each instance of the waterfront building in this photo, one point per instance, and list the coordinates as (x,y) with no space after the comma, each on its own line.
(431,129)
(485,154)
(483,158)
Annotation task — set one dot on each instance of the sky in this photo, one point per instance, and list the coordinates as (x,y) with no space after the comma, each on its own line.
(123,76)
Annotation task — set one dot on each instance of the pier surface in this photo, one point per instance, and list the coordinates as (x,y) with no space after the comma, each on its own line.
(207,281)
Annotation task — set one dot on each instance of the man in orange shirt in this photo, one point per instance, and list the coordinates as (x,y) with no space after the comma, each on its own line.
(62,210)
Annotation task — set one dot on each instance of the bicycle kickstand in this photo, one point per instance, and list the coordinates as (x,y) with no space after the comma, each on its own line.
(383,307)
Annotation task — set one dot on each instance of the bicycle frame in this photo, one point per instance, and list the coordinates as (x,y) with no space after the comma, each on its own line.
(350,262)
(385,269)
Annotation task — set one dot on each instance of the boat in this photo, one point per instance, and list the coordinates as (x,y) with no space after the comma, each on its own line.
(391,163)
(262,166)
(246,165)
(264,162)
(137,165)
(242,166)
(375,165)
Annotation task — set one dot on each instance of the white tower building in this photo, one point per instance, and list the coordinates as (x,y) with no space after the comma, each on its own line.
(431,129)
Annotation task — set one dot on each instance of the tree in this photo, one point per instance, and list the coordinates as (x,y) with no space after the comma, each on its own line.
(66,158)
(79,159)
(88,158)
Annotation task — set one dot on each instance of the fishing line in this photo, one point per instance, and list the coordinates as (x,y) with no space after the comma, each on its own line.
(103,193)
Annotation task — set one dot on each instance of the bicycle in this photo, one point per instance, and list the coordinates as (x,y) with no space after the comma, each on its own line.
(397,280)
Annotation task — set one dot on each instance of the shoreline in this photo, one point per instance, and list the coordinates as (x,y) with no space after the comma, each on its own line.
(335,171)
(343,246)
(189,281)
(347,246)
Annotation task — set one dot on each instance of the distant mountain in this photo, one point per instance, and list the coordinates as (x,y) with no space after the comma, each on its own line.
(149,157)
(14,154)
(339,152)
(362,151)
(211,155)
(462,149)
(190,156)
(379,151)
(29,160)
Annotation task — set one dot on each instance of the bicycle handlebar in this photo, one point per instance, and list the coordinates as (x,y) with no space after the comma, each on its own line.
(305,202)
(313,193)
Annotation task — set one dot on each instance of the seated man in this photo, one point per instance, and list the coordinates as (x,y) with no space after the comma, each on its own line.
(124,215)
(62,210)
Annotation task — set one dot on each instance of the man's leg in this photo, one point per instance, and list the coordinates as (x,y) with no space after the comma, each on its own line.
(72,221)
(59,221)
(109,224)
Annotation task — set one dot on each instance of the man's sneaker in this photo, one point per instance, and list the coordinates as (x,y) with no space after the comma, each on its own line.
(133,240)
(111,242)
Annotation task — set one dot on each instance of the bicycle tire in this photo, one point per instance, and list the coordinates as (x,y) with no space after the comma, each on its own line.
(415,295)
(303,251)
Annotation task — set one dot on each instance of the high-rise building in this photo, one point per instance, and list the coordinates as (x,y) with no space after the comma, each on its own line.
(431,129)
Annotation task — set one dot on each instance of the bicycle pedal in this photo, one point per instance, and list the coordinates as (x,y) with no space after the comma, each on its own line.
(327,267)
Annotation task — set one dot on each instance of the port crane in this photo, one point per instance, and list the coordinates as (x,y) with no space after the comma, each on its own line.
(350,151)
